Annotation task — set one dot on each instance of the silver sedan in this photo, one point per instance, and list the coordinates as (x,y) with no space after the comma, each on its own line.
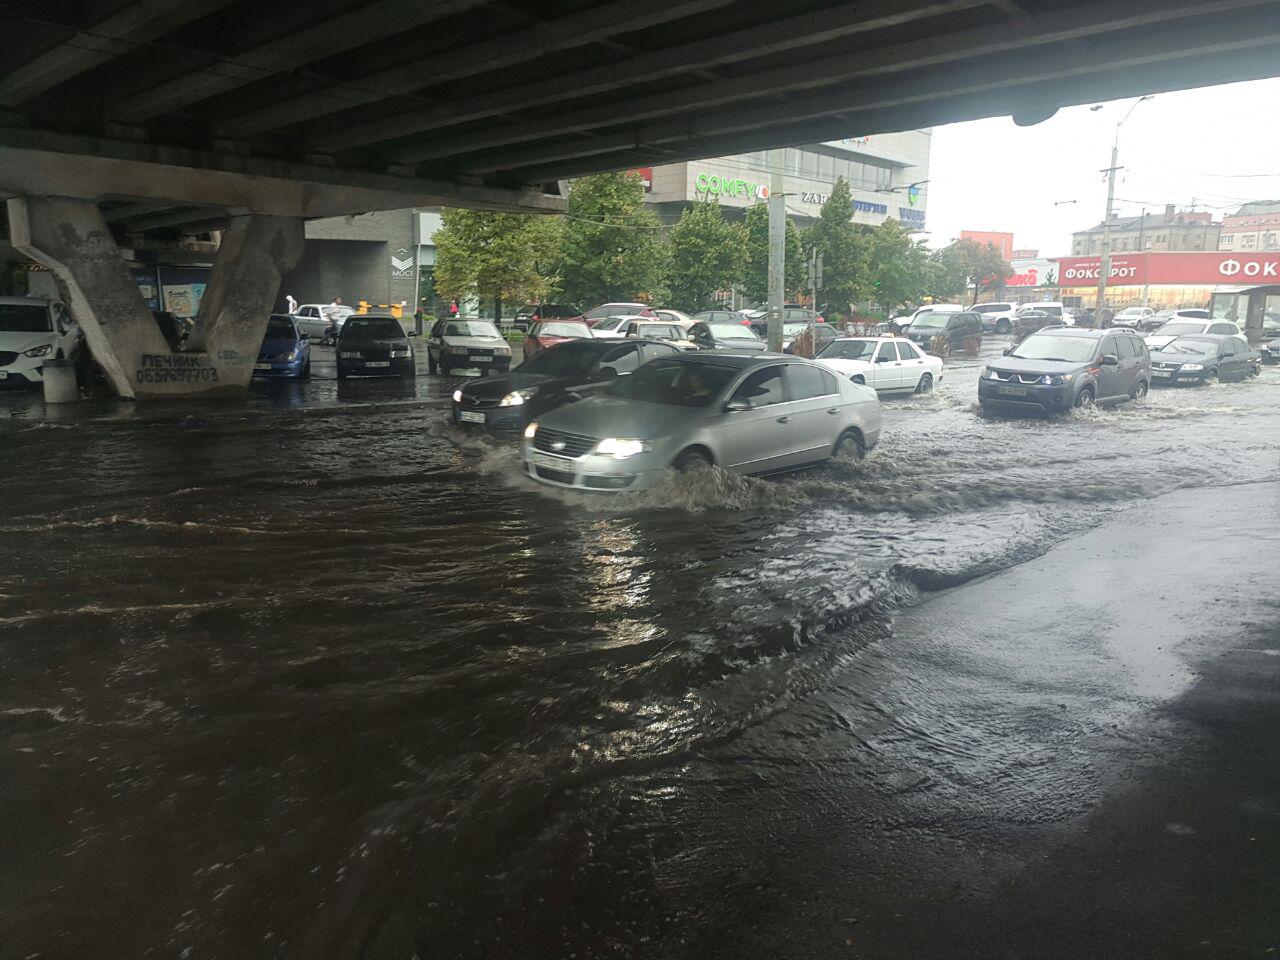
(747,413)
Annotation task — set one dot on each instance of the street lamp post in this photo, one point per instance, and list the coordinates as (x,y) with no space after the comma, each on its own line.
(1104,267)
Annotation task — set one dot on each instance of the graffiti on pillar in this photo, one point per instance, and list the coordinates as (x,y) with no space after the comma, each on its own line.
(175,368)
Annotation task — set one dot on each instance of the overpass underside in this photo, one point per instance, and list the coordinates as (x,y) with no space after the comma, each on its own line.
(131,116)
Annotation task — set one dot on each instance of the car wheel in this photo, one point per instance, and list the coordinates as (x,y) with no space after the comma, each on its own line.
(1139,391)
(926,384)
(1004,326)
(1084,398)
(1210,377)
(306,371)
(849,447)
(432,366)
(691,460)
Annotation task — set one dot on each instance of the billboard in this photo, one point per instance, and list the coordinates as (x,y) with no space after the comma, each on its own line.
(1173,268)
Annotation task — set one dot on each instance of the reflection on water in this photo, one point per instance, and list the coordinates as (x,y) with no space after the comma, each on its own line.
(351,685)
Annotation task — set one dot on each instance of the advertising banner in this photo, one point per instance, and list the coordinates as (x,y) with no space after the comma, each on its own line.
(1173,268)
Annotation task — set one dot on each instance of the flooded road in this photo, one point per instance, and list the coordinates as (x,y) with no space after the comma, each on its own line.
(320,677)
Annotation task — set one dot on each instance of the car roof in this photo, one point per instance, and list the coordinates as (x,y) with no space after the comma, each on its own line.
(1074,332)
(731,358)
(1215,337)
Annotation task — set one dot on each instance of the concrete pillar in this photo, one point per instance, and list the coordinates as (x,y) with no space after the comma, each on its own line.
(71,238)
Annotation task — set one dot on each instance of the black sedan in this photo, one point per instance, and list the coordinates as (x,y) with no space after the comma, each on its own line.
(1199,359)
(1271,352)
(550,378)
(726,336)
(373,345)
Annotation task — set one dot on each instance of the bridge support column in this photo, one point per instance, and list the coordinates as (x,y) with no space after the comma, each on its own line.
(70,237)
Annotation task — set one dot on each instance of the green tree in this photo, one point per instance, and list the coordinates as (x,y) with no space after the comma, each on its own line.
(899,266)
(480,255)
(945,277)
(707,254)
(755,275)
(613,246)
(982,266)
(846,274)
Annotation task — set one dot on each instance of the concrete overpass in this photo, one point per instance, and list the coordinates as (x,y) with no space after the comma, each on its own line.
(150,114)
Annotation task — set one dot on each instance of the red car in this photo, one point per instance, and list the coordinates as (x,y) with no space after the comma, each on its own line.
(596,314)
(547,333)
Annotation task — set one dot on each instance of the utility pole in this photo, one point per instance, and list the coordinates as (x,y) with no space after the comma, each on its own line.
(1146,259)
(777,249)
(1104,267)
(815,275)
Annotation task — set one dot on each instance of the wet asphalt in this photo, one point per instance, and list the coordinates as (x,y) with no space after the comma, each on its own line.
(318,676)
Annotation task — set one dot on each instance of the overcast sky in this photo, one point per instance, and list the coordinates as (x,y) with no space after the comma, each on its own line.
(1178,147)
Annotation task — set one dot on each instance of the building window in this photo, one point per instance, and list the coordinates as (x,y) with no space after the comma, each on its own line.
(1269,241)
(1250,241)
(1226,242)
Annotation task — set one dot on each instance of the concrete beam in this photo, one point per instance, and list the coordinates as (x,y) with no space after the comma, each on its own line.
(47,164)
(1078,23)
(175,218)
(366,24)
(115,36)
(563,33)
(1162,43)
(789,34)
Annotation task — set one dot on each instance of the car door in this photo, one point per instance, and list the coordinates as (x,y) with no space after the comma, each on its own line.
(653,351)
(435,340)
(759,439)
(1110,378)
(1235,363)
(814,408)
(886,368)
(912,367)
(1128,364)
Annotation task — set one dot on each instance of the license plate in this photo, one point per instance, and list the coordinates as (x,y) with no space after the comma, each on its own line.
(262,366)
(482,359)
(1013,391)
(550,462)
(4,374)
(470,416)
(377,363)
(1162,373)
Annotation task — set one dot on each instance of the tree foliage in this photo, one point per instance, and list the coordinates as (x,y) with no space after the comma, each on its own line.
(846,273)
(707,254)
(971,266)
(613,247)
(900,268)
(480,255)
(755,276)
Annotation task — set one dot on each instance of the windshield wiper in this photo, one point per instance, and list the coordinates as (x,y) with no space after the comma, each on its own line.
(1058,359)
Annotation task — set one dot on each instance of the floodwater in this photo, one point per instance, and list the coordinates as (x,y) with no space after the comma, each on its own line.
(320,677)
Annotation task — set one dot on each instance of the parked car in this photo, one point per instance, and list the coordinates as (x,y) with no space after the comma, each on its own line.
(745,414)
(953,328)
(174,329)
(1190,328)
(1062,367)
(886,364)
(533,312)
(467,344)
(613,326)
(615,310)
(997,317)
(721,316)
(547,333)
(673,333)
(552,377)
(1132,317)
(1201,358)
(33,330)
(821,333)
(725,336)
(1029,321)
(1271,352)
(905,320)
(285,351)
(1054,308)
(374,345)
(673,316)
(313,319)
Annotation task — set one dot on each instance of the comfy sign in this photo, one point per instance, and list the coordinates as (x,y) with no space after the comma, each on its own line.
(718,186)
(1174,268)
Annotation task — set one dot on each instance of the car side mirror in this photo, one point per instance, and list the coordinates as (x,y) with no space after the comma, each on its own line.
(606,373)
(882,359)
(1110,360)
(1008,350)
(738,406)
(304,336)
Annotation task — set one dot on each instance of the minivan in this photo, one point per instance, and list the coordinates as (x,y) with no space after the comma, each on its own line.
(954,328)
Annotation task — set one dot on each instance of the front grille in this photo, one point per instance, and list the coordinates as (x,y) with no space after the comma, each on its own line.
(7,357)
(375,353)
(479,352)
(481,402)
(555,476)
(564,444)
(1025,377)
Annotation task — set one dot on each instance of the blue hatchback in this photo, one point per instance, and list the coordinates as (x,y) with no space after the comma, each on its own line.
(285,352)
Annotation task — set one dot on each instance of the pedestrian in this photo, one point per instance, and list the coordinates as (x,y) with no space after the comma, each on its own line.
(453,309)
(292,304)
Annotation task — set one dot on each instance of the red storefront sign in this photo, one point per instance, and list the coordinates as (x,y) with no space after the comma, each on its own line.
(1172,268)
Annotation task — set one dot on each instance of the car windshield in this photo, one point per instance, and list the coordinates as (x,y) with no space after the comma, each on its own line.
(849,350)
(566,360)
(931,319)
(674,383)
(564,330)
(1177,329)
(1188,345)
(608,323)
(279,328)
(470,328)
(1042,346)
(1130,312)
(660,331)
(731,331)
(612,309)
(372,328)
(23,318)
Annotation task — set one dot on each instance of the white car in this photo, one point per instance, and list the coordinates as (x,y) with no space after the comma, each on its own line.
(996,317)
(899,323)
(33,330)
(312,319)
(467,344)
(886,364)
(1174,329)
(611,328)
(1053,308)
(1132,317)
(674,316)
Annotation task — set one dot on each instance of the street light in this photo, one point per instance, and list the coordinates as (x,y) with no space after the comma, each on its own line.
(1104,266)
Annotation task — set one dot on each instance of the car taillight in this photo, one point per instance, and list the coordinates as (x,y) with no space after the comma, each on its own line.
(535,318)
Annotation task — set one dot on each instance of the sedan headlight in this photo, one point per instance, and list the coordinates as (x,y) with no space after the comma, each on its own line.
(502,351)
(457,396)
(530,430)
(516,398)
(452,349)
(40,351)
(1193,366)
(620,449)
(294,354)
(401,353)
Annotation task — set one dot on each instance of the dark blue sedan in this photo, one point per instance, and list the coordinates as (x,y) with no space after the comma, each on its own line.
(285,353)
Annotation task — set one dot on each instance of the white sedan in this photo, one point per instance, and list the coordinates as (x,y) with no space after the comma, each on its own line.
(886,364)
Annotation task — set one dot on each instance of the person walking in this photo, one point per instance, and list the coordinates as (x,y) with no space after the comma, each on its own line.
(291,304)
(453,309)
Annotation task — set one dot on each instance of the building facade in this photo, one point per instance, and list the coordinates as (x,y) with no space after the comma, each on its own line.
(1003,242)
(1173,230)
(887,176)
(1255,226)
